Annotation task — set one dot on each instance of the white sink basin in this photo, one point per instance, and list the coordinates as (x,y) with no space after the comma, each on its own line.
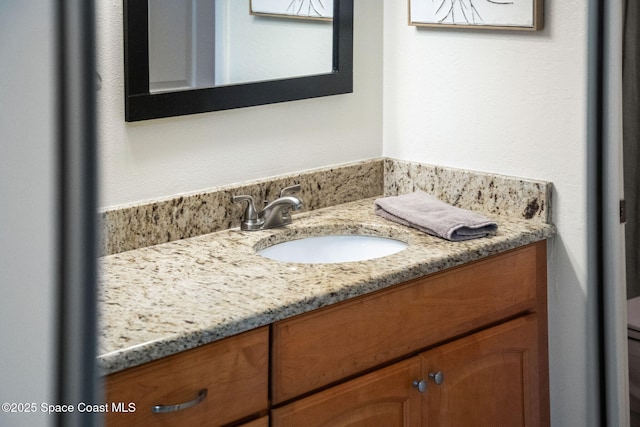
(333,249)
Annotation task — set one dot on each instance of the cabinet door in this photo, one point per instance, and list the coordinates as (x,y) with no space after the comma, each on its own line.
(486,379)
(384,398)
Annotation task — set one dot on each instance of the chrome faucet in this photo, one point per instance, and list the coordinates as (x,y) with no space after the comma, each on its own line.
(275,214)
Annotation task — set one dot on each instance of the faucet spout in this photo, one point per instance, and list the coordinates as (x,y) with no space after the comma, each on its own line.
(284,202)
(276,214)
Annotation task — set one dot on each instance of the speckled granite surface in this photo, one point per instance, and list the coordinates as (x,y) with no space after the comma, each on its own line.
(135,226)
(478,191)
(160,300)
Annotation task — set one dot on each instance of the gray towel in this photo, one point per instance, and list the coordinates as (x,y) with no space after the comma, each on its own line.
(426,213)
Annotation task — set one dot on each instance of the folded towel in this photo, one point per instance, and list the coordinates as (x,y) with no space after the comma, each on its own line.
(426,213)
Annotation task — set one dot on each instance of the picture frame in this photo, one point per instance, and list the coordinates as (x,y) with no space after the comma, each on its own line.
(521,15)
(321,10)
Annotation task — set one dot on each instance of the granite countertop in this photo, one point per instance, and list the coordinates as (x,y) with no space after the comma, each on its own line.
(163,299)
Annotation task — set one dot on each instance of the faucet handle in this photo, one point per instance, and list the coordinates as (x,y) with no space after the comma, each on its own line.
(286,215)
(250,220)
(250,212)
(290,189)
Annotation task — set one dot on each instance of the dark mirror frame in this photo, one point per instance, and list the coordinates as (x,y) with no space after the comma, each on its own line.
(142,105)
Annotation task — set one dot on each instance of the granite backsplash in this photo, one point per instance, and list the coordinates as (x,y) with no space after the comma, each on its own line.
(135,226)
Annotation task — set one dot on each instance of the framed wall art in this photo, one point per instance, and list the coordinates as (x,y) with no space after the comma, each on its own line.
(524,15)
(303,9)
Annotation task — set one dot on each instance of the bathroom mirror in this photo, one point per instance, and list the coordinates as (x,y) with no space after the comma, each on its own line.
(173,48)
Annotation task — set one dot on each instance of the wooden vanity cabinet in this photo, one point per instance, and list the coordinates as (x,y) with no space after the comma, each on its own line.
(319,348)
(233,371)
(487,379)
(482,326)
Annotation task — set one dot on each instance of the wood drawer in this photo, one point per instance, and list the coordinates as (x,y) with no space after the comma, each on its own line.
(316,349)
(234,371)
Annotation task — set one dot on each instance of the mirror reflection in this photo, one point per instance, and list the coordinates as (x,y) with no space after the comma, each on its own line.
(206,43)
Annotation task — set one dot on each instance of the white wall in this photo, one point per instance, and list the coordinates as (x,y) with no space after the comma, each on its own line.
(511,103)
(27,220)
(157,158)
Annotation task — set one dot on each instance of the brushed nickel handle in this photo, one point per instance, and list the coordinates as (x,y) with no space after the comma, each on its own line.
(437,377)
(250,212)
(161,409)
(291,189)
(250,220)
(421,385)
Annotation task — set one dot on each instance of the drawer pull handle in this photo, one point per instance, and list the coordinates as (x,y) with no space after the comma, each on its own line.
(437,377)
(421,385)
(161,409)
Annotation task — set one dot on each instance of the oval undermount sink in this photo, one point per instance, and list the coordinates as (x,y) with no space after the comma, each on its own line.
(333,249)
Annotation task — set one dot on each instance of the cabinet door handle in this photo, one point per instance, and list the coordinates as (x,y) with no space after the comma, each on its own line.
(160,409)
(421,385)
(437,377)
